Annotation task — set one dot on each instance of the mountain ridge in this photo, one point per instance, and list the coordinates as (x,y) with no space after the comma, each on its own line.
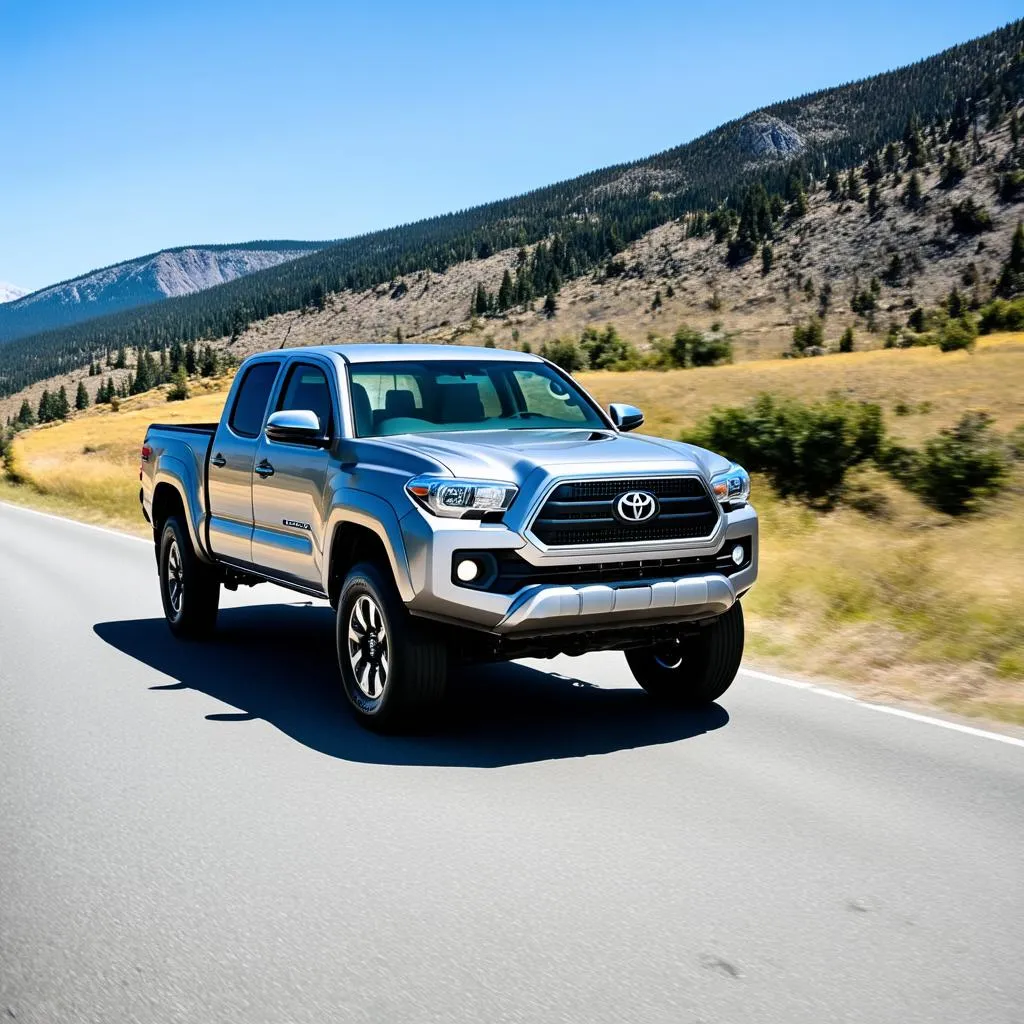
(166,273)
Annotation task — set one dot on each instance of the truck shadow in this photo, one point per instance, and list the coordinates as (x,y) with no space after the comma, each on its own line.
(277,663)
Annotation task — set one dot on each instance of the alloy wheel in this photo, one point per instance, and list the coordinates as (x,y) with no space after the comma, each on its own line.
(368,648)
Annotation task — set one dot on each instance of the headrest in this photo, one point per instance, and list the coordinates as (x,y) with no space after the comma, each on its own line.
(399,403)
(460,403)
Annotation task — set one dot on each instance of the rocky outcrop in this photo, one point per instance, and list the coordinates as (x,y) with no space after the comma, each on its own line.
(764,137)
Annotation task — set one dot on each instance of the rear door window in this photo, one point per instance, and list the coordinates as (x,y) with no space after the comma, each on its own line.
(251,404)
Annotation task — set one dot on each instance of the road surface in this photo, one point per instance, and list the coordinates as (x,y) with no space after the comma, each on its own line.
(201,834)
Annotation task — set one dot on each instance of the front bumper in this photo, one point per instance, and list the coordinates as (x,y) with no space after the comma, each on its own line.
(561,608)
(541,608)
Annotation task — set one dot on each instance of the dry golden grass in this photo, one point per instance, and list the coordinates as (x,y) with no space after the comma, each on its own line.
(949,383)
(91,463)
(884,594)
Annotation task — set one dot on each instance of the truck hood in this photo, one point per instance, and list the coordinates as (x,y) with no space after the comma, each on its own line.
(515,455)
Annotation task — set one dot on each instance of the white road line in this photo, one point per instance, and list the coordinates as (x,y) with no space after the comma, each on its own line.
(75,522)
(886,709)
(796,684)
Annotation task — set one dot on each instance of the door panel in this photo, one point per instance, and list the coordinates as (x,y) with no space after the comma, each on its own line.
(230,471)
(288,504)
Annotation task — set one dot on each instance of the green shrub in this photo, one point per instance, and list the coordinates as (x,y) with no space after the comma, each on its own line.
(958,334)
(846,340)
(705,351)
(1002,315)
(564,352)
(970,218)
(809,335)
(805,450)
(605,350)
(958,467)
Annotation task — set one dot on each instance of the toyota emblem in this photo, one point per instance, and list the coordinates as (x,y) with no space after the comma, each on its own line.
(636,506)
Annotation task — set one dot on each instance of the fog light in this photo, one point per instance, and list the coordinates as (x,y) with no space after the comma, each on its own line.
(467,570)
(738,554)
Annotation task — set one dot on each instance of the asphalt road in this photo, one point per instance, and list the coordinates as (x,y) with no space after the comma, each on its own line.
(201,834)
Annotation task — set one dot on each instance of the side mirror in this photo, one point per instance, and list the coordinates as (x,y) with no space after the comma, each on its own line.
(296,426)
(625,417)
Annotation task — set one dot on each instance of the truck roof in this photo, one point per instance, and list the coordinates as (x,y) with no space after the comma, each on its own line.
(395,352)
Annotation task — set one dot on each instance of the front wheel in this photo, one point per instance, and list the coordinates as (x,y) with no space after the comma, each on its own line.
(190,590)
(393,673)
(693,671)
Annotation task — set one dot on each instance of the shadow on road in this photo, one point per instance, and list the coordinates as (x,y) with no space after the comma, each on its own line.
(277,662)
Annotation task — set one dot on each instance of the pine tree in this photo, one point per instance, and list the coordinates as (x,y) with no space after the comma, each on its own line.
(122,359)
(45,411)
(914,148)
(178,391)
(191,364)
(832,183)
(209,365)
(846,340)
(853,188)
(177,357)
(954,169)
(481,301)
(550,306)
(892,158)
(145,374)
(506,292)
(26,417)
(875,203)
(81,397)
(873,170)
(1011,279)
(767,258)
(61,406)
(912,194)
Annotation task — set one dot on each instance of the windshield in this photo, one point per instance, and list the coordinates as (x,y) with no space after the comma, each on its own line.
(456,394)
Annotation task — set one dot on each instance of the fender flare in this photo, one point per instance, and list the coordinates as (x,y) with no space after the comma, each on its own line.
(368,510)
(182,477)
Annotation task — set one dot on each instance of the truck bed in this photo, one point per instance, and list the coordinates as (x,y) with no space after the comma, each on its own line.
(192,428)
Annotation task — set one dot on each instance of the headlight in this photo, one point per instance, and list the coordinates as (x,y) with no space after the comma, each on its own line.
(456,498)
(732,487)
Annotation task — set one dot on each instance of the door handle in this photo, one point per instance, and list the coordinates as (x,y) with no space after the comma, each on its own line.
(218,460)
(264,469)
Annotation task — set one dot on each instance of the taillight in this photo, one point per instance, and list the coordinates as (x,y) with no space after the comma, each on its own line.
(146,452)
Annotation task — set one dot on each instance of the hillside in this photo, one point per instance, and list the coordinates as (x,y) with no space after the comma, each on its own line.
(139,282)
(587,221)
(10,292)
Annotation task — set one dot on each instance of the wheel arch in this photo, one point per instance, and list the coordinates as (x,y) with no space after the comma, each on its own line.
(361,539)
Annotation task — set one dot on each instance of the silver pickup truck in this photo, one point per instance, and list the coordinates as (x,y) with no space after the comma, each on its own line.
(454,504)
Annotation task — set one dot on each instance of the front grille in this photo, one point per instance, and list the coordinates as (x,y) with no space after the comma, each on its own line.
(581,512)
(511,572)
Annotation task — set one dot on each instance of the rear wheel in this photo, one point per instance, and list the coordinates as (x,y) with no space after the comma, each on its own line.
(189,589)
(392,672)
(693,671)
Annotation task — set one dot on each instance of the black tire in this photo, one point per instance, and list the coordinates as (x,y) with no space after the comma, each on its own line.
(696,670)
(189,589)
(393,673)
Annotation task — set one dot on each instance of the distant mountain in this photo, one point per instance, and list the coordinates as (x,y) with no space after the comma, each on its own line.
(139,282)
(579,226)
(10,292)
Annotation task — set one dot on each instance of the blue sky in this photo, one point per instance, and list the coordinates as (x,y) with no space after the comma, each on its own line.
(130,127)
